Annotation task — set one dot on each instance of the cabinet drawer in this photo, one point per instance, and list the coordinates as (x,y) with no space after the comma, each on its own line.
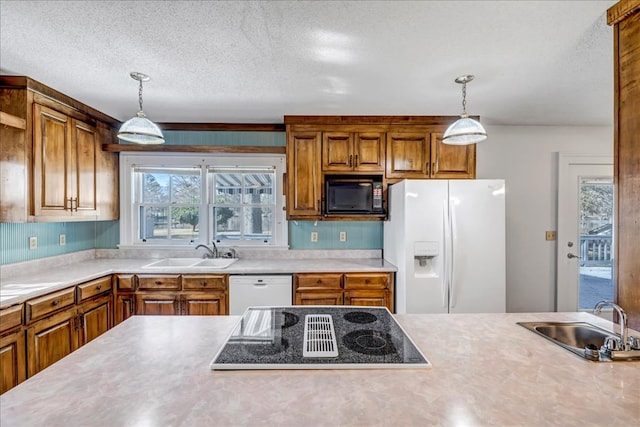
(11,317)
(161,282)
(47,304)
(318,281)
(93,288)
(366,281)
(126,282)
(200,282)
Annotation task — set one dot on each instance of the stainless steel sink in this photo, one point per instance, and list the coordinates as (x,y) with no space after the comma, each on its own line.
(583,339)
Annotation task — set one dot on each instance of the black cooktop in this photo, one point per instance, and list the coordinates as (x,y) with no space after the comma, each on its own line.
(273,338)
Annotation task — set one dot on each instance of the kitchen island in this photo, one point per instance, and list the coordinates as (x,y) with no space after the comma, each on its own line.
(487,370)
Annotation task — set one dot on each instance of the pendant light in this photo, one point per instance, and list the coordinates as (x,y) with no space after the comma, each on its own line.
(465,130)
(140,130)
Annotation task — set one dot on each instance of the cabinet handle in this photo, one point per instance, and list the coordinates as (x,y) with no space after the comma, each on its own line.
(99,287)
(158,282)
(319,281)
(131,306)
(75,323)
(356,160)
(433,167)
(75,208)
(55,302)
(203,283)
(350,160)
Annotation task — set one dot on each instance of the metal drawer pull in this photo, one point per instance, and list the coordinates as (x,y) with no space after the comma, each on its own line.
(99,287)
(158,282)
(55,302)
(203,283)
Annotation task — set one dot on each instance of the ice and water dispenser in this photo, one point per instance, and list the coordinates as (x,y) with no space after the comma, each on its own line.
(425,259)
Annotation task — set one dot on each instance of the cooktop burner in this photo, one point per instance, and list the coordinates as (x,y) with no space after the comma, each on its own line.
(366,341)
(360,317)
(276,338)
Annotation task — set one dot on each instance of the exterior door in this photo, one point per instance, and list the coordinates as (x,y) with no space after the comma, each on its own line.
(585,238)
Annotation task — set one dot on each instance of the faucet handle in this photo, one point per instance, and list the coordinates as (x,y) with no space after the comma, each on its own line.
(634,343)
(613,344)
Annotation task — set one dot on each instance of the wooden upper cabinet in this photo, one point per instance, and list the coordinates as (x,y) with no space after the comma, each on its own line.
(408,155)
(53,169)
(64,172)
(353,152)
(423,155)
(303,175)
(452,161)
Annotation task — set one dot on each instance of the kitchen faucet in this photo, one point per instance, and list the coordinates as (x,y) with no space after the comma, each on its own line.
(622,318)
(210,253)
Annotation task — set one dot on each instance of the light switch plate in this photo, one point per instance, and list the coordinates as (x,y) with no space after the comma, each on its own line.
(33,242)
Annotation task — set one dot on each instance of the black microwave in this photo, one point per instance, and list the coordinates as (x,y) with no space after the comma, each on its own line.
(353,196)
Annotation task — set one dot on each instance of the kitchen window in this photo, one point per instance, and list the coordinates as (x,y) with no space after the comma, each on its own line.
(186,200)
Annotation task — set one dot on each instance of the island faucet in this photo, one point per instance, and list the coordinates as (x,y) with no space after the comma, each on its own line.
(210,253)
(622,318)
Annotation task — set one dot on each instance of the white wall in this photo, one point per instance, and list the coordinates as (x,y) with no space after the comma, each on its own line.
(526,157)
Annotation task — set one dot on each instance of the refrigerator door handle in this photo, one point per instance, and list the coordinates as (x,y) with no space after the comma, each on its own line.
(444,283)
(454,236)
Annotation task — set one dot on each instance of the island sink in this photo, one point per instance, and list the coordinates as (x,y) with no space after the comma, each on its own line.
(584,339)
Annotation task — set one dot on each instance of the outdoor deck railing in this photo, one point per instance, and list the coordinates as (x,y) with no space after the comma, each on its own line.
(595,250)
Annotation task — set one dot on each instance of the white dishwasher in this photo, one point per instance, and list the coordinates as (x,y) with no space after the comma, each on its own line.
(251,291)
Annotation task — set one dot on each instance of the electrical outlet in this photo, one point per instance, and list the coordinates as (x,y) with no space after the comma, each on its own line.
(33,242)
(343,236)
(550,235)
(314,236)
(63,239)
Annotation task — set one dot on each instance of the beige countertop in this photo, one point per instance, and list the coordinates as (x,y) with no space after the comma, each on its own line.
(35,282)
(487,371)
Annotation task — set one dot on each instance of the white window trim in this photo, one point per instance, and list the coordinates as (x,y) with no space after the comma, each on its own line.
(128,222)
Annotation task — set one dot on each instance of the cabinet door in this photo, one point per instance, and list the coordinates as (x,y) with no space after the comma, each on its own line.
(125,307)
(452,161)
(12,360)
(50,339)
(408,155)
(303,175)
(82,174)
(318,298)
(337,151)
(157,304)
(51,136)
(204,303)
(95,318)
(367,298)
(368,152)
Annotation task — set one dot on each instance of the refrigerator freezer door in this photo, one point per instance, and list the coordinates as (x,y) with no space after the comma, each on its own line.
(478,246)
(424,287)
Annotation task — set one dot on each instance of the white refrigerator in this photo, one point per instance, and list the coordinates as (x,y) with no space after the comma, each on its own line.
(447,238)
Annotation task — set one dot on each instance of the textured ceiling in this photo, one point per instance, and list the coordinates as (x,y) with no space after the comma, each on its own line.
(535,62)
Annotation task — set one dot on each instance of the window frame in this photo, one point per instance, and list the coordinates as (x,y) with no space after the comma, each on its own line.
(129,227)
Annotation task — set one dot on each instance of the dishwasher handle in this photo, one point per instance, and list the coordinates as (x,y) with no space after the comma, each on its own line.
(260,283)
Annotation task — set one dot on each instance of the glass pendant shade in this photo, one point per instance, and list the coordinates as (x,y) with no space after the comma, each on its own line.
(140,130)
(464,131)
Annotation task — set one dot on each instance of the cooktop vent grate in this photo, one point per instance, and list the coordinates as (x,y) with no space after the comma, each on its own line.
(319,336)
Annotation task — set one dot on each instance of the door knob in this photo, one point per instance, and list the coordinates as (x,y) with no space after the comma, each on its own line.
(570,255)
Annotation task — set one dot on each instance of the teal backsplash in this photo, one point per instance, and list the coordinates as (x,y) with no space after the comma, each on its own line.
(360,234)
(14,238)
(194,137)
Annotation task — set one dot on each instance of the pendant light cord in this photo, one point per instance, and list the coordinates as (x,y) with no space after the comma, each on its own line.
(464,99)
(140,95)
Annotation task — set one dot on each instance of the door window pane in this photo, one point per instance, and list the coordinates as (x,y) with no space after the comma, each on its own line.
(596,213)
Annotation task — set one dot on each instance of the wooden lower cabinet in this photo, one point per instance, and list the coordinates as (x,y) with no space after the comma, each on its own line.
(12,359)
(368,289)
(203,303)
(187,295)
(95,318)
(124,286)
(12,348)
(50,339)
(155,303)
